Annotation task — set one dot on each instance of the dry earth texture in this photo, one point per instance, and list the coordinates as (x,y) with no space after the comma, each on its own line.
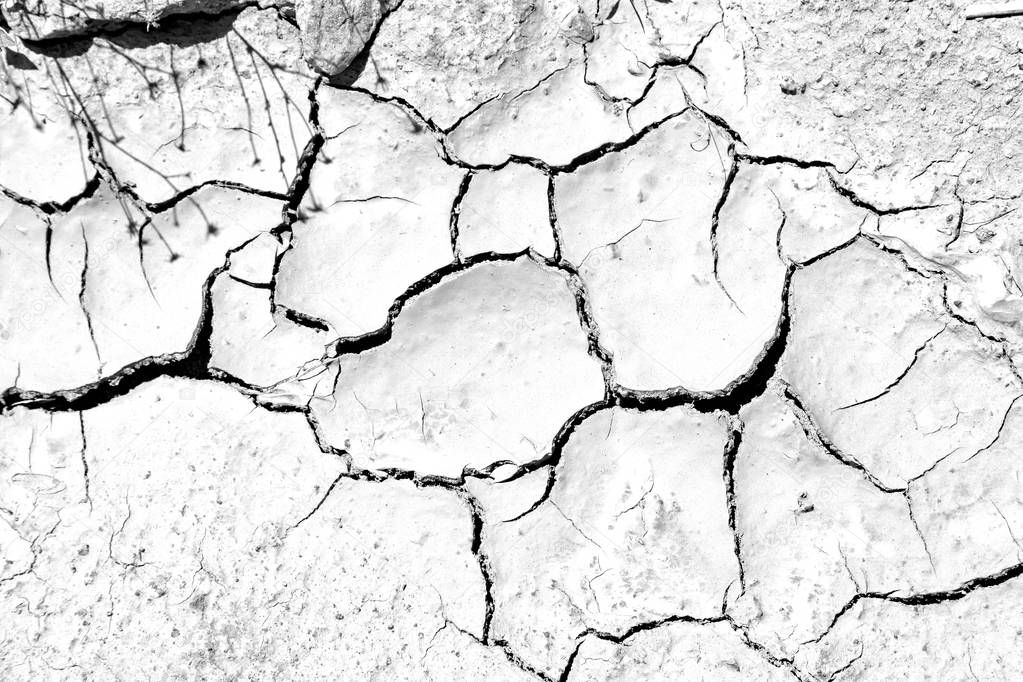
(558,340)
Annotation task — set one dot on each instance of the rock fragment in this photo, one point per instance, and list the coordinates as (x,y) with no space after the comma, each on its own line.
(335,32)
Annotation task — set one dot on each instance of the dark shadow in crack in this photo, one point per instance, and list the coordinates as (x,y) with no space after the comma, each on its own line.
(358,65)
(181,30)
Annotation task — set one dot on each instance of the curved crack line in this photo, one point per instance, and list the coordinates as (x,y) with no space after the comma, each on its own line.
(902,375)
(815,435)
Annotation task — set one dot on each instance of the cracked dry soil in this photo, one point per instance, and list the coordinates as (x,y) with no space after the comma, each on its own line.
(558,340)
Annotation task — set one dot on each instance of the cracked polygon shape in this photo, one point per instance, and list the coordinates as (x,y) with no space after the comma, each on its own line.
(349,263)
(43,156)
(641,226)
(857,318)
(898,373)
(674,651)
(213,524)
(746,267)
(951,400)
(715,78)
(926,232)
(144,285)
(41,317)
(972,638)
(662,177)
(817,218)
(665,320)
(969,508)
(376,149)
(446,58)
(619,61)
(483,367)
(50,19)
(635,529)
(809,81)
(813,531)
(665,97)
(890,378)
(375,220)
(223,100)
(557,120)
(252,342)
(505,211)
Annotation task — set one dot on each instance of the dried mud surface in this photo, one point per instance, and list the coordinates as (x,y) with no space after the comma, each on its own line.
(558,340)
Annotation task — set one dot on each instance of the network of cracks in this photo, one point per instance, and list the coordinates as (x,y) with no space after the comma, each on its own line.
(575,350)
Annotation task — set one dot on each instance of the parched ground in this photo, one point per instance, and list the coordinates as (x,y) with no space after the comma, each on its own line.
(553,340)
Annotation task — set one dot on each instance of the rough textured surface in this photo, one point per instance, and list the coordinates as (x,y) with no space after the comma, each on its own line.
(450,57)
(635,529)
(965,639)
(335,33)
(550,340)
